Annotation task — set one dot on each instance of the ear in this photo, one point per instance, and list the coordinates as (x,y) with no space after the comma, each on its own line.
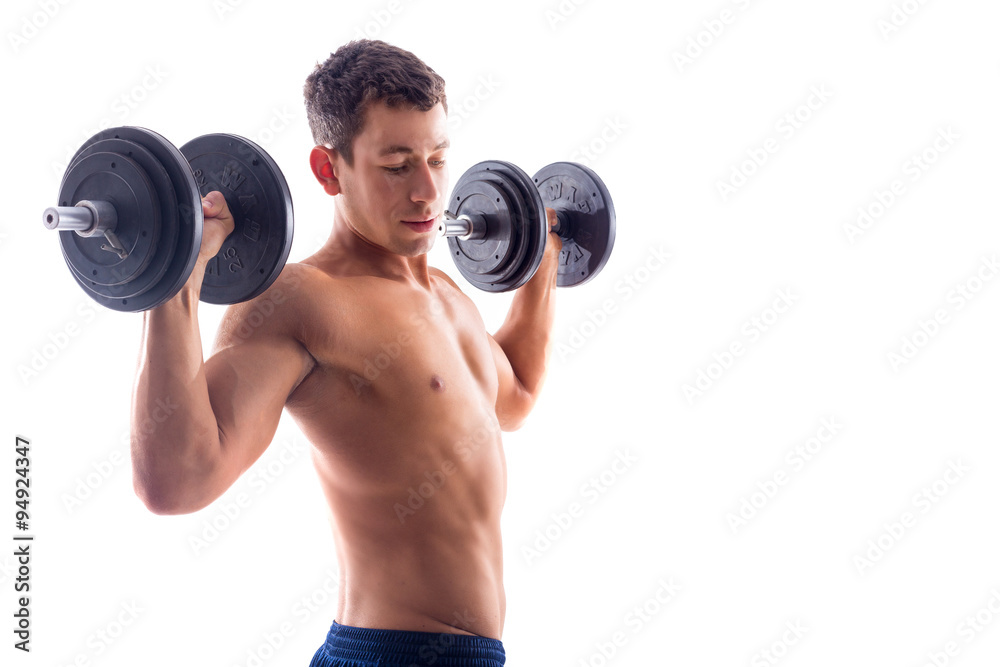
(321,160)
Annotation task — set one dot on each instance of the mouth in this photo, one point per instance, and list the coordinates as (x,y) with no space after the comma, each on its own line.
(421,226)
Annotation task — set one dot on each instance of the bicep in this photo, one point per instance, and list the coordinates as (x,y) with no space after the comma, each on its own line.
(249,380)
(513,401)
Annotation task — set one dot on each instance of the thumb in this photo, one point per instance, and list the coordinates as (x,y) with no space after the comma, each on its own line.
(213,203)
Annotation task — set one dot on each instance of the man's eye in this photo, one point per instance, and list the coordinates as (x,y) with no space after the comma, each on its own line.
(395,170)
(437,163)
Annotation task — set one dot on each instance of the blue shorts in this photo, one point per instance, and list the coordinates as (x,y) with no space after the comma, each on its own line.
(347,646)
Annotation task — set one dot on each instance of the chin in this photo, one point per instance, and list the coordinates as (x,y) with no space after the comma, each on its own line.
(414,249)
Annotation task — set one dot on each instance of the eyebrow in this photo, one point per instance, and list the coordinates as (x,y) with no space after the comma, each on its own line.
(395,150)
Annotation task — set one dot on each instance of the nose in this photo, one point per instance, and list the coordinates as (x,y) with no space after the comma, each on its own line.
(427,184)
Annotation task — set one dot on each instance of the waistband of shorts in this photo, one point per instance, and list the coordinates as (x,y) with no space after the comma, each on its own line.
(409,647)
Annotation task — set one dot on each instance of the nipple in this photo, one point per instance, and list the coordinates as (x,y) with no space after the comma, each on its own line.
(437,384)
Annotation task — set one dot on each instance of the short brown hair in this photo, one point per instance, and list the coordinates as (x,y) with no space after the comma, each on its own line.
(358,74)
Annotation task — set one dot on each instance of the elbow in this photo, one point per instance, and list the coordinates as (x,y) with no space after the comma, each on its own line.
(160,501)
(163,504)
(165,495)
(511,425)
(157,503)
(513,418)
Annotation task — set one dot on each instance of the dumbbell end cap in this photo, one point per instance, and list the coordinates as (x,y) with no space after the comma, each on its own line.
(73,218)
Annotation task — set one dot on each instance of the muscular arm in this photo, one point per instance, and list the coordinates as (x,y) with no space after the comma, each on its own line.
(196,425)
(523,344)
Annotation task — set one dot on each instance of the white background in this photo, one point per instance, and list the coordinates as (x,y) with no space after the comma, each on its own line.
(664,134)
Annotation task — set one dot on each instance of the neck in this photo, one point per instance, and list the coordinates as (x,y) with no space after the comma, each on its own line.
(348,250)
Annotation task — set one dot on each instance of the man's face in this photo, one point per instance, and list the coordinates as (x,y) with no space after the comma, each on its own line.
(395,191)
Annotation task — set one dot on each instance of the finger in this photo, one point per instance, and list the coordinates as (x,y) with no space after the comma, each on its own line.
(213,203)
(550,213)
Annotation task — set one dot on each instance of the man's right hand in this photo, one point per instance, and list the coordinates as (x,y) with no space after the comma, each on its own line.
(219,224)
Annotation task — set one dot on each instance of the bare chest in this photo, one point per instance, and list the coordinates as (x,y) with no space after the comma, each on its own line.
(379,344)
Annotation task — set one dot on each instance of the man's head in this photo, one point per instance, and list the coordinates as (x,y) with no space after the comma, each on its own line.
(379,118)
(340,91)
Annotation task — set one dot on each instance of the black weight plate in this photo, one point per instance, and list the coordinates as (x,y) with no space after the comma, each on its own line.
(536,229)
(181,217)
(491,200)
(258,197)
(160,229)
(579,193)
(515,236)
(118,180)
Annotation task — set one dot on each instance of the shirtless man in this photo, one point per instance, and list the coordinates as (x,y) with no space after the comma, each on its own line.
(418,582)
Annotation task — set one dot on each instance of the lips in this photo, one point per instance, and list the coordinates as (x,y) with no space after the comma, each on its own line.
(421,226)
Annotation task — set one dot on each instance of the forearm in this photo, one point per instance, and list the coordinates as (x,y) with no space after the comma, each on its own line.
(175,435)
(526,334)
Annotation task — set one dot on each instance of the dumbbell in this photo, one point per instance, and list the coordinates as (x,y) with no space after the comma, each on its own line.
(130,217)
(496,224)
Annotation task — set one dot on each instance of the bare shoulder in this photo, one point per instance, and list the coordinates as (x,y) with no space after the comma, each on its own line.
(277,311)
(453,289)
(438,273)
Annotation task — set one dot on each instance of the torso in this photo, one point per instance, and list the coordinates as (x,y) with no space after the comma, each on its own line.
(400,409)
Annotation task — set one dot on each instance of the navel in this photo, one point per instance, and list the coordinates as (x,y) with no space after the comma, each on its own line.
(437,384)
